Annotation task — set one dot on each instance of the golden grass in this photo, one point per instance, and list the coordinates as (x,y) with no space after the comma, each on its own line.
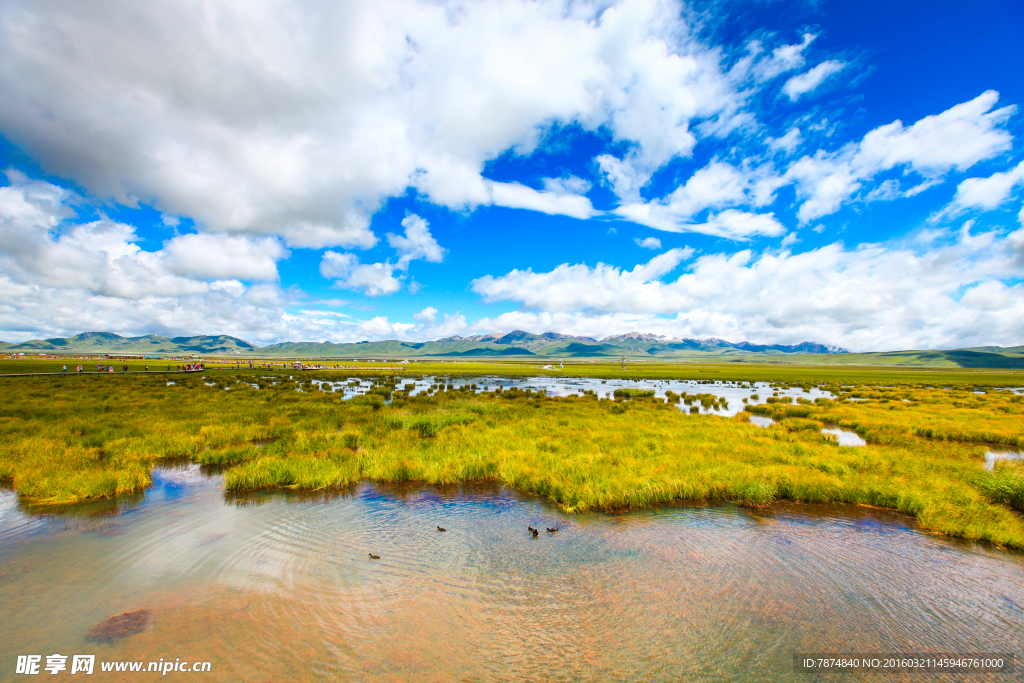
(72,439)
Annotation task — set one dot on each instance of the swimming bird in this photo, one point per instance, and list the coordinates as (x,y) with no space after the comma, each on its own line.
(373,557)
(535,533)
(530,528)
(552,531)
(441,528)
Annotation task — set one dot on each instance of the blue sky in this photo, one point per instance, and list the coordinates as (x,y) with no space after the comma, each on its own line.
(848,173)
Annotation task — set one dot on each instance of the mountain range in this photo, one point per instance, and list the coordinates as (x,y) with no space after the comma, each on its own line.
(518,344)
(515,343)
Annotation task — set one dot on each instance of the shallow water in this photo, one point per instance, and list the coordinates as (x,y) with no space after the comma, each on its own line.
(273,587)
(733,392)
(992,456)
(844,437)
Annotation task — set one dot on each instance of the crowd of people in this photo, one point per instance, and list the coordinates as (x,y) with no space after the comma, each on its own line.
(100,367)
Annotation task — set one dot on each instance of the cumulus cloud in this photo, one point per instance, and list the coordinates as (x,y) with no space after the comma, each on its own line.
(788,143)
(373,279)
(808,81)
(574,287)
(986,193)
(224,256)
(39,245)
(957,138)
(58,277)
(427,315)
(648,243)
(715,186)
(376,279)
(378,327)
(298,119)
(869,298)
(417,243)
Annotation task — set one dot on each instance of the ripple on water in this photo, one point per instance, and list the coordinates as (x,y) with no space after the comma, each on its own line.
(273,585)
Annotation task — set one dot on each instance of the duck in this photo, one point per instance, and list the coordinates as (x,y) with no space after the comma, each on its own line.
(530,528)
(441,528)
(552,531)
(373,557)
(535,533)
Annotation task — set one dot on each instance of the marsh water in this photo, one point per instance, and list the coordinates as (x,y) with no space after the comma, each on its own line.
(734,393)
(274,587)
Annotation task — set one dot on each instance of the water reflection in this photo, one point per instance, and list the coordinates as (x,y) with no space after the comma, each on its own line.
(278,586)
(844,437)
(736,394)
(992,456)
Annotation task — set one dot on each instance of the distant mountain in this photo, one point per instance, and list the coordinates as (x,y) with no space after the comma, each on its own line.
(514,343)
(521,344)
(517,336)
(551,343)
(108,342)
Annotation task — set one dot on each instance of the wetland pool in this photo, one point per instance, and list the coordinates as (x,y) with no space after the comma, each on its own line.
(734,393)
(278,586)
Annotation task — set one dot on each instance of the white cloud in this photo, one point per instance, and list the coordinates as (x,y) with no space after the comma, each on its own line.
(715,186)
(878,297)
(987,193)
(567,185)
(224,256)
(417,243)
(576,287)
(1015,242)
(373,279)
(335,265)
(730,224)
(739,225)
(787,143)
(809,80)
(885,192)
(427,315)
(958,138)
(648,242)
(38,246)
(921,187)
(378,327)
(376,279)
(824,183)
(59,278)
(299,119)
(783,58)
(519,196)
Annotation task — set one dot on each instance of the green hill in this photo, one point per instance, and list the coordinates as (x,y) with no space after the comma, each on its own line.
(525,345)
(107,342)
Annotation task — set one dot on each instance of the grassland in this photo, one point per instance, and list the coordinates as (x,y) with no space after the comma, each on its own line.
(69,439)
(810,374)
